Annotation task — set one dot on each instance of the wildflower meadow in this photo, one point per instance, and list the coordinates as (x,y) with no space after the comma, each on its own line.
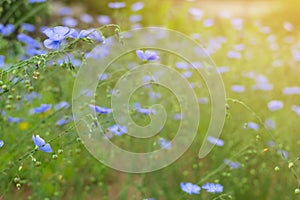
(150,100)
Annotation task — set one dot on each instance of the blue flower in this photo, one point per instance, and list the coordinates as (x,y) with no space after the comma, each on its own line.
(103,19)
(41,144)
(213,188)
(197,13)
(64,121)
(32,96)
(238,88)
(14,119)
(116,5)
(32,46)
(28,27)
(233,165)
(1,143)
(135,18)
(296,109)
(61,105)
(190,188)
(270,124)
(100,110)
(36,1)
(65,11)
(118,130)
(215,141)
(6,30)
(43,108)
(27,40)
(137,6)
(1,61)
(165,144)
(177,116)
(291,90)
(252,125)
(56,35)
(275,105)
(86,18)
(147,55)
(69,21)
(271,143)
(91,34)
(145,111)
(283,153)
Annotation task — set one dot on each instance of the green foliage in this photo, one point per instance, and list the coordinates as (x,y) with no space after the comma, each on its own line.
(70,172)
(20,11)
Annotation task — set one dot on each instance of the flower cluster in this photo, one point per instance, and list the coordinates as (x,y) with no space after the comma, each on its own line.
(58,35)
(195,189)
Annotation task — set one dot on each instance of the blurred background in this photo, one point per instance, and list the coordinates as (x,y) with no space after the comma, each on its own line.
(255,45)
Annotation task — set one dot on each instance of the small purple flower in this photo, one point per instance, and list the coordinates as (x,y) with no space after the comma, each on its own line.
(1,61)
(100,110)
(177,116)
(28,27)
(215,141)
(103,19)
(252,125)
(182,65)
(29,41)
(118,130)
(69,21)
(238,88)
(1,143)
(6,30)
(91,34)
(86,18)
(262,86)
(145,111)
(296,109)
(237,23)
(233,165)
(32,46)
(213,188)
(135,18)
(291,90)
(56,35)
(270,124)
(187,74)
(196,13)
(190,188)
(275,105)
(223,69)
(208,22)
(65,11)
(137,6)
(203,100)
(41,144)
(36,1)
(165,144)
(283,153)
(234,54)
(147,55)
(14,119)
(103,77)
(32,95)
(154,95)
(61,105)
(64,121)
(116,5)
(271,143)
(43,108)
